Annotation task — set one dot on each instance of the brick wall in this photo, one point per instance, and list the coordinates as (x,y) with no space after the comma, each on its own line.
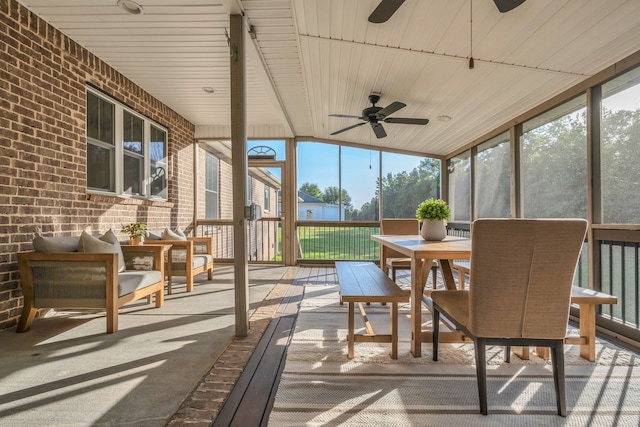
(43,79)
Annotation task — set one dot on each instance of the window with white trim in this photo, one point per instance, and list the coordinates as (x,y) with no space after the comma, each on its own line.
(126,152)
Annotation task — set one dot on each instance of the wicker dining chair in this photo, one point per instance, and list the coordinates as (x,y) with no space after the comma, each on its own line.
(520,291)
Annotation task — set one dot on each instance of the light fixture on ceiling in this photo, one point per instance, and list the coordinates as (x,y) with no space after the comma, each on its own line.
(208,89)
(443,118)
(131,7)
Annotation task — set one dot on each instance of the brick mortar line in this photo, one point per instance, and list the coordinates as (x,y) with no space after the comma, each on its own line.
(202,405)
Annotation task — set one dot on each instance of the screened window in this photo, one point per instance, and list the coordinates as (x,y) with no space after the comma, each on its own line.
(359,176)
(406,182)
(554,163)
(211,186)
(459,170)
(620,135)
(126,152)
(318,173)
(492,179)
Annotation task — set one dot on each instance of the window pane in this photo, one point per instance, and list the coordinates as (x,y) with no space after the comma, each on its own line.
(132,175)
(100,119)
(158,144)
(492,188)
(620,151)
(359,178)
(554,163)
(99,165)
(132,128)
(267,198)
(459,170)
(211,186)
(158,163)
(406,182)
(318,171)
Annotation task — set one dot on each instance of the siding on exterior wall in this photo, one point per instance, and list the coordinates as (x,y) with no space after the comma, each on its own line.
(43,79)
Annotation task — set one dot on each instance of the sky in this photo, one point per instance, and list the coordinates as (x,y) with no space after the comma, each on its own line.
(318,164)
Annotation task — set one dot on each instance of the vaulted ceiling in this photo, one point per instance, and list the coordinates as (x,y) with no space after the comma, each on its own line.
(312,58)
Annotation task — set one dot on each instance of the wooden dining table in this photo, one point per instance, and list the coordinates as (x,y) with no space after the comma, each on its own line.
(422,254)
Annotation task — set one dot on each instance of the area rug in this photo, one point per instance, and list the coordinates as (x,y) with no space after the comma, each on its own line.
(320,386)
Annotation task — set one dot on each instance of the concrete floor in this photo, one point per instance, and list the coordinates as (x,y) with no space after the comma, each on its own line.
(66,371)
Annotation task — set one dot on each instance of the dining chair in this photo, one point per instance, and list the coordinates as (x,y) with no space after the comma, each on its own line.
(395,260)
(520,291)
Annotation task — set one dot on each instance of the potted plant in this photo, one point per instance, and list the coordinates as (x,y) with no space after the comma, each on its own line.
(433,213)
(135,231)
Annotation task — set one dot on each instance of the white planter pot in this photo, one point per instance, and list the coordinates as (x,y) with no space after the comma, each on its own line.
(433,229)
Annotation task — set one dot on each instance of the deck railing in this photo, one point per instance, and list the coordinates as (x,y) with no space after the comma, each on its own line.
(619,262)
(329,241)
(264,239)
(617,256)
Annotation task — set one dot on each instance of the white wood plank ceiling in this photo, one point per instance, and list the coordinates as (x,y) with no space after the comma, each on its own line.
(312,58)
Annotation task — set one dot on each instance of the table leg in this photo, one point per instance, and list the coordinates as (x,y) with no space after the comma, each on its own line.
(383,260)
(447,274)
(420,269)
(351,331)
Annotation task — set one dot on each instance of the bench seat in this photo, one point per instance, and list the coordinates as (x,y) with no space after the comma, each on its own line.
(586,299)
(364,282)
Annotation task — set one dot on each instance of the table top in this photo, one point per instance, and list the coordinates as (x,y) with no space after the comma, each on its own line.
(452,247)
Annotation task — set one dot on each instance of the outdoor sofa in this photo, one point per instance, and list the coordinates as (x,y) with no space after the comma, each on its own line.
(187,256)
(88,273)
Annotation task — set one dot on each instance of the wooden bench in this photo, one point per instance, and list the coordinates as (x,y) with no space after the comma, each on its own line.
(587,299)
(364,282)
(462,267)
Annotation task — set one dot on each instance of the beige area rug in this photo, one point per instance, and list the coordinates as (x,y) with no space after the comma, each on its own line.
(321,387)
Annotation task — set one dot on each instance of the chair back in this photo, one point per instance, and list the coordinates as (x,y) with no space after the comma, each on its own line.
(399,227)
(521,276)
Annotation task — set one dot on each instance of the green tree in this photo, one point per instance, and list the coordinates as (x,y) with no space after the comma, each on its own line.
(403,192)
(332,196)
(312,190)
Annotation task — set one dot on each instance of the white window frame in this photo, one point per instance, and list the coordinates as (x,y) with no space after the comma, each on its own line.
(119,110)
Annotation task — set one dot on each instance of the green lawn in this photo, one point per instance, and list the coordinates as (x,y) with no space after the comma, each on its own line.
(338,243)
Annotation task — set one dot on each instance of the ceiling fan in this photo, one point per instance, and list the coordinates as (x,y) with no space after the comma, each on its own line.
(378,115)
(387,8)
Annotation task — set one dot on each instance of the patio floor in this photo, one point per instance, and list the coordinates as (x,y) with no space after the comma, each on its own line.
(179,365)
(67,371)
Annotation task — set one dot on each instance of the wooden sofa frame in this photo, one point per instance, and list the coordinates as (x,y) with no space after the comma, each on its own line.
(76,264)
(192,246)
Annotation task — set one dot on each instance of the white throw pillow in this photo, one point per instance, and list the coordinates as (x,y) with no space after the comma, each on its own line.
(177,234)
(108,243)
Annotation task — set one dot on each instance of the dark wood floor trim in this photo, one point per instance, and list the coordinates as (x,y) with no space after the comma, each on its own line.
(252,397)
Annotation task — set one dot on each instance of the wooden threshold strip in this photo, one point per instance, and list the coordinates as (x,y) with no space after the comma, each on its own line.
(252,397)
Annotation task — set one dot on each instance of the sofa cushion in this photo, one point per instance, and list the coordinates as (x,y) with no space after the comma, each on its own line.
(154,235)
(55,244)
(176,234)
(106,244)
(132,280)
